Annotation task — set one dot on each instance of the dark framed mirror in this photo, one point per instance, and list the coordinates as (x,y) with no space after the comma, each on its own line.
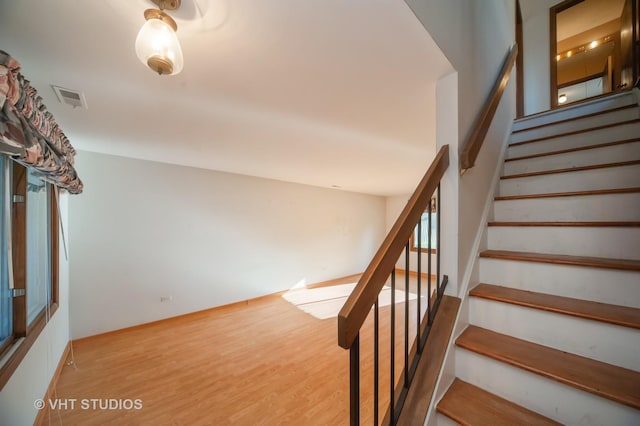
(587,55)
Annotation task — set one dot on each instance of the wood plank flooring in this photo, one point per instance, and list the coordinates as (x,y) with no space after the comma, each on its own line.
(261,362)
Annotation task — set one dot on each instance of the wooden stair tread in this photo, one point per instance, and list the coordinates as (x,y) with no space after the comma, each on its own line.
(575,132)
(572,169)
(576,104)
(470,405)
(424,382)
(563,259)
(579,117)
(603,224)
(612,314)
(608,381)
(570,150)
(570,194)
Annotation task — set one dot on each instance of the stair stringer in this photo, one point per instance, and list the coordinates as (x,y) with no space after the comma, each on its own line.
(471,273)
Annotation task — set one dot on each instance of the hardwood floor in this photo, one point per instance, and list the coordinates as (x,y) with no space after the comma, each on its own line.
(261,362)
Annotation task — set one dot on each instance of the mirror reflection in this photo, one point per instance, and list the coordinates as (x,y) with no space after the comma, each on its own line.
(588,49)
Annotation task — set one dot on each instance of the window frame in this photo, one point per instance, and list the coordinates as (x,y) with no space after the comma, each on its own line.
(21,329)
(412,246)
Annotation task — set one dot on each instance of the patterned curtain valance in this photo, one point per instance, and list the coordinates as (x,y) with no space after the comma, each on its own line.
(28,132)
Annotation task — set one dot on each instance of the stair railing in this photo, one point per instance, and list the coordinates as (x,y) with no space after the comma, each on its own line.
(365,296)
(481,126)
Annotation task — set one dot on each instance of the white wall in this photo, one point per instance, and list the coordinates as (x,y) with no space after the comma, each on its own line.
(31,379)
(144,230)
(447,134)
(393,207)
(475,37)
(535,34)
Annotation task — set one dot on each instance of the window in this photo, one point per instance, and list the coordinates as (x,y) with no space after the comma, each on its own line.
(29,262)
(6,311)
(38,249)
(424,230)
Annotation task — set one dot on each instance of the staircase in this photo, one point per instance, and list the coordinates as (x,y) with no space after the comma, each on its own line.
(554,325)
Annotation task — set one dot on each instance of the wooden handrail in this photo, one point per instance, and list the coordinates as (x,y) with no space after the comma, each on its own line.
(359,303)
(481,126)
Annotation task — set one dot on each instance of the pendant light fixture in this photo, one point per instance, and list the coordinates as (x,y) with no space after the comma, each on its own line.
(157,44)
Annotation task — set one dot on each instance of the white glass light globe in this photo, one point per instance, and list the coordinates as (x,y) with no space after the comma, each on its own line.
(157,47)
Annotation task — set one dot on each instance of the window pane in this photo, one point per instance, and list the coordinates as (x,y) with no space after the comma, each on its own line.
(424,232)
(38,246)
(6,316)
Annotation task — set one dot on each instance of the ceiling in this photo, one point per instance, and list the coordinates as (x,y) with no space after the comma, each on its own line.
(586,15)
(584,64)
(329,93)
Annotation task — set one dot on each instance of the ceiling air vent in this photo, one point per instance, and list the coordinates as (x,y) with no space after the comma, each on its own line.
(70,97)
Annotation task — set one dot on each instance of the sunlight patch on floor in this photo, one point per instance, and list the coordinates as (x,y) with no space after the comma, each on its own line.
(326,302)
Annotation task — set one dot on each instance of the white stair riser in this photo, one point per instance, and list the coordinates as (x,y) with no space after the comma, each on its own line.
(608,207)
(596,284)
(552,399)
(605,178)
(565,113)
(610,134)
(442,420)
(616,345)
(590,157)
(611,117)
(592,339)
(610,242)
